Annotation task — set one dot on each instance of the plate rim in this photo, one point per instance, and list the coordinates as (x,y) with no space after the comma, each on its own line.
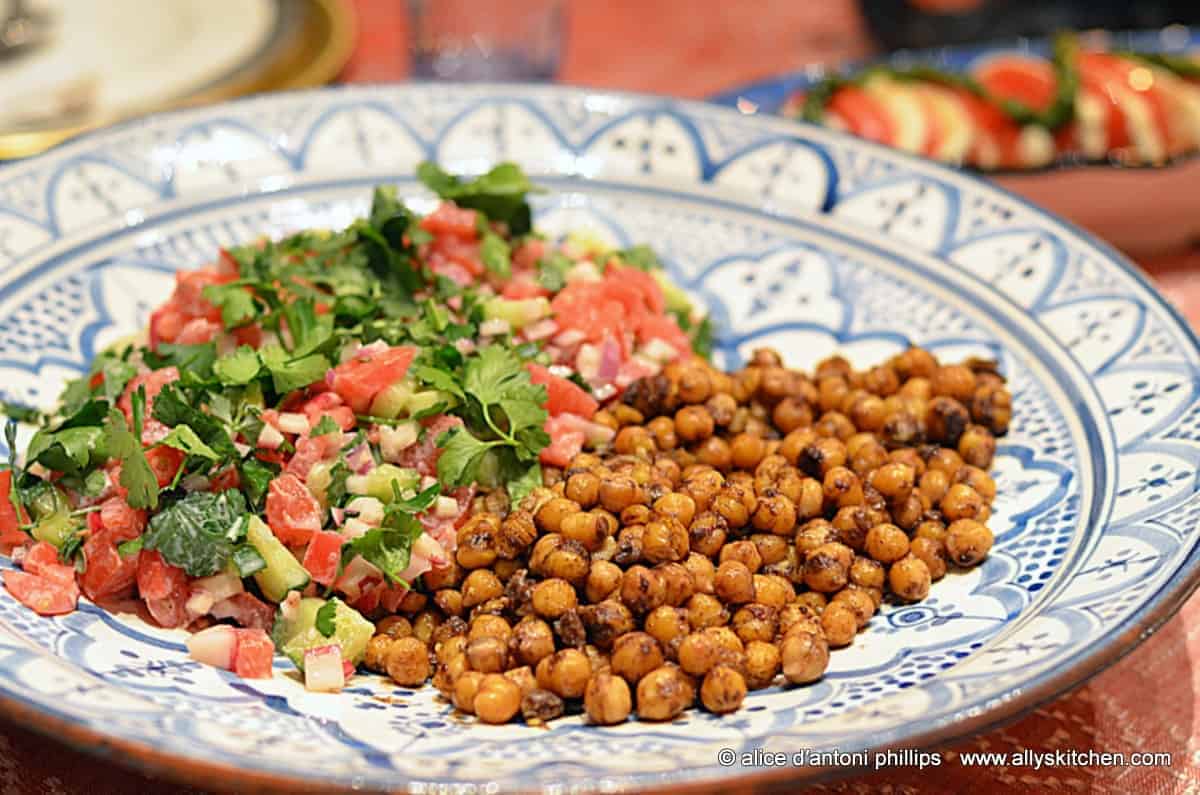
(1108,649)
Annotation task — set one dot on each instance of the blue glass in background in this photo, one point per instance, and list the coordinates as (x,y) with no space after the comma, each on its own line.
(485,40)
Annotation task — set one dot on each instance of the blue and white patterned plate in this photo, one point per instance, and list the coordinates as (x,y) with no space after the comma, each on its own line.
(798,238)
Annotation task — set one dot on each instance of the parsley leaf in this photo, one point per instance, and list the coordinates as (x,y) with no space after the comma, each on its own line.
(641,257)
(183,438)
(326,618)
(256,478)
(289,374)
(238,368)
(235,302)
(552,271)
(389,547)
(136,475)
(199,532)
(172,409)
(500,194)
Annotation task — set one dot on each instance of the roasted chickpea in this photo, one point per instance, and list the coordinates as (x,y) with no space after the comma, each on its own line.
(773,590)
(909,578)
(835,425)
(821,456)
(539,706)
(376,654)
(886,543)
(668,625)
(677,583)
(707,533)
(734,582)
(489,655)
(497,700)
(914,363)
(466,687)
(771,548)
(953,380)
(450,601)
(705,610)
(735,504)
(933,554)
(762,664)
(945,420)
(792,413)
(978,480)
(934,485)
(424,625)
(477,541)
(702,571)
(407,662)
(723,690)
(565,672)
(553,597)
(804,657)
(532,640)
(664,541)
(663,694)
(694,423)
(480,586)
(589,529)
(635,440)
(813,600)
(517,533)
(606,622)
(797,615)
(550,516)
(702,486)
(961,502)
(619,492)
(642,589)
(867,573)
(604,578)
(634,655)
(968,542)
(394,626)
(439,577)
(827,568)
(813,534)
(859,601)
(852,524)
(555,556)
(755,622)
(607,699)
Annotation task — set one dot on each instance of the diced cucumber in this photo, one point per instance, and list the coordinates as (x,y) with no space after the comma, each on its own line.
(676,299)
(392,401)
(378,482)
(46,500)
(422,401)
(55,528)
(351,632)
(518,313)
(283,572)
(318,480)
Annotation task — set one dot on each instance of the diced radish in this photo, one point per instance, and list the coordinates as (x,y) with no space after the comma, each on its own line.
(354,528)
(323,669)
(270,438)
(366,509)
(214,646)
(289,606)
(290,422)
(445,508)
(357,572)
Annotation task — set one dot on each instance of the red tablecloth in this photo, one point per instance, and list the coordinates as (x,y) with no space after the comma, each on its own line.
(1146,702)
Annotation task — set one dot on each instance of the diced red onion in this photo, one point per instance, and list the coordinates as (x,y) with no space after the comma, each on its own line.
(610,360)
(359,460)
(339,516)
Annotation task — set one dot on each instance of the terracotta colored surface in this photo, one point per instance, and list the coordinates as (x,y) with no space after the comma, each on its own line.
(1147,702)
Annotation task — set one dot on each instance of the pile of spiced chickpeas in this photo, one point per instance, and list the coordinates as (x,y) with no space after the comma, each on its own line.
(737,527)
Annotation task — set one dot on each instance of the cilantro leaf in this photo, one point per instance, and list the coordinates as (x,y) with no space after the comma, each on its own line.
(136,474)
(389,547)
(183,438)
(336,491)
(325,425)
(641,257)
(67,450)
(552,271)
(131,547)
(521,486)
(198,532)
(420,501)
(500,194)
(172,409)
(462,454)
(289,374)
(309,331)
(235,302)
(193,361)
(238,368)
(256,478)
(326,619)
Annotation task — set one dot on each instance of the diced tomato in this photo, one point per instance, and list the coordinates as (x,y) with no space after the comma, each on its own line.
(254,654)
(643,283)
(329,404)
(165,324)
(562,396)
(663,327)
(251,335)
(423,456)
(42,560)
(525,257)
(359,380)
(323,555)
(165,463)
(227,478)
(119,521)
(1026,79)
(864,115)
(153,381)
(44,597)
(451,219)
(368,601)
(293,513)
(585,306)
(391,597)
(310,450)
(189,291)
(440,266)
(157,579)
(463,252)
(226,265)
(107,573)
(11,533)
(247,610)
(198,331)
(564,444)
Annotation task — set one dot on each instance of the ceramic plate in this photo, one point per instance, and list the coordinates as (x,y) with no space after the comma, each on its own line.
(1161,209)
(796,237)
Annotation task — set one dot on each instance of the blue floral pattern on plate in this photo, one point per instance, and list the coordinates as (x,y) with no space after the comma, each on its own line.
(796,238)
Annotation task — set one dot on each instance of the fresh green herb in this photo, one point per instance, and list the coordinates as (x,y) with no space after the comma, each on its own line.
(335,492)
(199,532)
(238,368)
(641,257)
(136,475)
(496,255)
(501,194)
(552,271)
(70,547)
(131,547)
(325,426)
(389,546)
(183,438)
(194,362)
(256,478)
(235,302)
(289,373)
(246,560)
(67,450)
(326,619)
(173,409)
(21,413)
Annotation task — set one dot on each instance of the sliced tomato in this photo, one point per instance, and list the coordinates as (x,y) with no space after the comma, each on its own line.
(323,555)
(251,335)
(165,463)
(329,404)
(525,256)
(42,560)
(459,251)
(450,219)
(293,513)
(157,579)
(11,533)
(359,380)
(1023,78)
(646,286)
(107,573)
(165,324)
(864,114)
(247,610)
(564,444)
(951,133)
(254,654)
(423,456)
(368,600)
(227,478)
(119,521)
(198,331)
(189,291)
(562,396)
(44,597)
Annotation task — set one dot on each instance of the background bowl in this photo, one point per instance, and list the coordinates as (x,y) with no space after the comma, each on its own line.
(797,237)
(1141,210)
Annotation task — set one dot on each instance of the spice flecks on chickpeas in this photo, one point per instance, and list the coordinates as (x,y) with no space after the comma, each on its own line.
(737,527)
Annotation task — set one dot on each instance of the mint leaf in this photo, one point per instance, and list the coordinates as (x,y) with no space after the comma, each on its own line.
(198,532)
(238,368)
(326,619)
(641,257)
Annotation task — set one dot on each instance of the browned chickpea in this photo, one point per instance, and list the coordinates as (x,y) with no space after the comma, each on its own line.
(606,621)
(773,590)
(832,391)
(376,654)
(707,533)
(550,516)
(676,505)
(945,460)
(851,525)
(583,488)
(480,586)
(523,678)
(569,629)
(662,431)
(553,597)
(909,578)
(627,414)
(663,694)
(447,673)
(705,610)
(619,492)
(539,706)
(859,601)
(723,690)
(634,655)
(695,384)
(664,541)
(961,502)
(394,626)
(489,626)
(699,652)
(934,485)
(477,541)
(424,625)
(450,601)
(761,664)
(489,655)
(804,656)
(775,513)
(437,578)
(827,568)
(798,616)
(867,573)
(914,363)
(933,554)
(635,514)
(795,443)
(978,480)
(755,622)
(497,700)
(893,481)
(813,600)
(886,543)
(607,699)
(555,556)
(604,578)
(908,514)
(721,407)
(968,541)
(677,583)
(991,406)
(953,380)
(565,672)
(642,589)
(532,640)
(771,548)
(466,687)
(693,424)
(841,487)
(735,582)
(629,545)
(407,662)
(743,551)
(821,456)
(505,569)
(931,529)
(977,446)
(835,425)
(735,504)
(792,413)
(945,420)
(589,529)
(715,452)
(702,571)
(813,534)
(668,625)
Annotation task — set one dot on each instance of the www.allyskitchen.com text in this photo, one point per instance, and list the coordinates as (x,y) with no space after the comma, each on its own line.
(910,757)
